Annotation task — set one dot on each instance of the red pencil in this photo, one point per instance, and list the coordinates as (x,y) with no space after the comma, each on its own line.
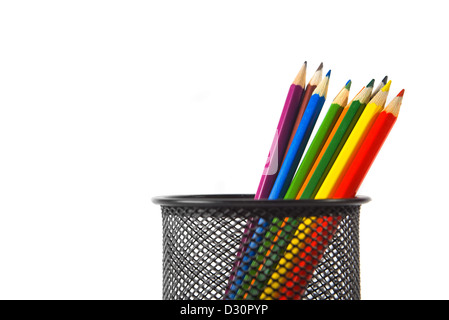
(369,149)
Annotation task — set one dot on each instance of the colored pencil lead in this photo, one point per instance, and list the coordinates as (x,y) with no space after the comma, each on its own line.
(348,84)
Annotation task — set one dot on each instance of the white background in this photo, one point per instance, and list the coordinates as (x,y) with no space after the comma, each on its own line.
(106,104)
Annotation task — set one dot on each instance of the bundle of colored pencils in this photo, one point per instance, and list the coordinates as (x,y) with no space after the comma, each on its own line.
(333,166)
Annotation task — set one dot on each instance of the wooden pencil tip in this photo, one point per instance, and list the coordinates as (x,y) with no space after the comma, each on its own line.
(348,84)
(395,105)
(385,79)
(370,84)
(316,78)
(300,79)
(387,86)
(328,74)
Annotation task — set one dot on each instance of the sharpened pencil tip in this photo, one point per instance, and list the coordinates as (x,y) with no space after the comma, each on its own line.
(370,84)
(387,86)
(385,79)
(320,67)
(328,74)
(348,84)
(300,79)
(395,105)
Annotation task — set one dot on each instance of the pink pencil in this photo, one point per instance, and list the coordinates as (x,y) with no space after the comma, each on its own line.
(276,154)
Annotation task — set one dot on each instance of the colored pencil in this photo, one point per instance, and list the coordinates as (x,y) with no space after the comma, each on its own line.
(353,143)
(341,134)
(273,234)
(300,140)
(303,254)
(311,86)
(277,151)
(280,255)
(369,149)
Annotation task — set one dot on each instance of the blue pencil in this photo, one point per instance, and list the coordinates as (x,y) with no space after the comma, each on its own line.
(282,183)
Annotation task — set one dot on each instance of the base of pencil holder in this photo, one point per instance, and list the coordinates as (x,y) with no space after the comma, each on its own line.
(235,247)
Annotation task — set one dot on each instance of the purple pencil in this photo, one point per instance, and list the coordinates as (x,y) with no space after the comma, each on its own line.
(277,151)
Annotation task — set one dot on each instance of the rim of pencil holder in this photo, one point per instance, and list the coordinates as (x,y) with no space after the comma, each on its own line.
(247,200)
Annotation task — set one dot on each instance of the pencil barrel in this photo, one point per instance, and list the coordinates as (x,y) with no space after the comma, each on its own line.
(202,235)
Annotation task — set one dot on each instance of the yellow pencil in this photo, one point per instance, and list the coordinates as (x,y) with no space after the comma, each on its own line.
(350,148)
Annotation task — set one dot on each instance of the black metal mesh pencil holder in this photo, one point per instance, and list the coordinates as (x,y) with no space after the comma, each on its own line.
(219,247)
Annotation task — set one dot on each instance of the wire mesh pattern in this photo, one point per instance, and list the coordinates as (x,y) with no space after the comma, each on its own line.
(307,251)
